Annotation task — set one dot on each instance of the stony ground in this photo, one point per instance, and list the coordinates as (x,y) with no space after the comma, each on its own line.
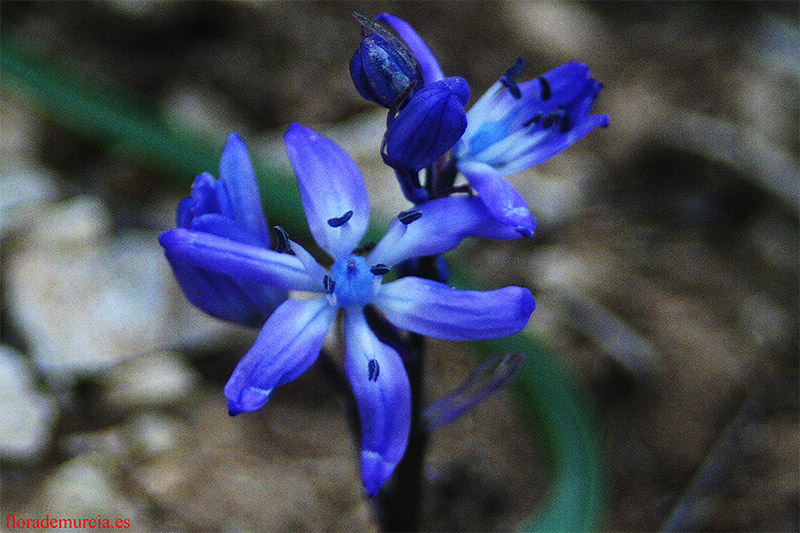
(665,270)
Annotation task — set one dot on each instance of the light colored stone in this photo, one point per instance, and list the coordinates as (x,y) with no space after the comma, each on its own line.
(85,487)
(28,415)
(24,191)
(152,435)
(85,308)
(149,381)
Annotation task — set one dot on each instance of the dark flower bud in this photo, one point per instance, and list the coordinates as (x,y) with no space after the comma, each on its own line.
(429,125)
(382,67)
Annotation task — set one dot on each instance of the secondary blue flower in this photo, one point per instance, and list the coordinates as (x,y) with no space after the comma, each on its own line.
(514,126)
(334,198)
(382,68)
(229,207)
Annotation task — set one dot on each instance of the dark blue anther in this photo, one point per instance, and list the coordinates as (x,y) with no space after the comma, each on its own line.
(565,124)
(282,241)
(507,79)
(548,121)
(335,222)
(373,370)
(407,217)
(328,284)
(380,269)
(545,93)
(535,119)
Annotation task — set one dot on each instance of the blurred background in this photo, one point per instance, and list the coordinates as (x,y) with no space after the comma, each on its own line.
(665,266)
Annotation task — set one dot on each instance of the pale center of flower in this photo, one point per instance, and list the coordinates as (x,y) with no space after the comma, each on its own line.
(354,283)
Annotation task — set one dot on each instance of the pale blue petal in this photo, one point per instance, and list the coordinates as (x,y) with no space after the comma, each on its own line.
(499,196)
(330,186)
(242,262)
(431,71)
(239,184)
(444,223)
(436,310)
(288,344)
(383,395)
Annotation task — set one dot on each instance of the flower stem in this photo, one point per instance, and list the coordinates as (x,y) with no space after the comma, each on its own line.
(400,503)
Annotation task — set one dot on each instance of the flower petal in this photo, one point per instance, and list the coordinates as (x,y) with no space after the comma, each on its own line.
(431,71)
(555,143)
(499,196)
(430,124)
(330,186)
(288,344)
(242,262)
(383,395)
(443,224)
(222,297)
(436,310)
(240,189)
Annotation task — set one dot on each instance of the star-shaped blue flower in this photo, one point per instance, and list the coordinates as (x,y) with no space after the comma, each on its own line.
(513,126)
(335,201)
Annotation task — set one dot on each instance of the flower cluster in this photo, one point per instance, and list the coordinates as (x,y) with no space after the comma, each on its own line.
(226,263)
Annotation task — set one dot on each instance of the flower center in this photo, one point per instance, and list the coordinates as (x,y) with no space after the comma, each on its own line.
(353,282)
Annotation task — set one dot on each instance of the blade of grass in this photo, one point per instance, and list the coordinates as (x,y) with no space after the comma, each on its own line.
(563,416)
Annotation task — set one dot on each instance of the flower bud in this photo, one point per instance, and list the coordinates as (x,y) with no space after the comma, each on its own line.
(429,125)
(382,68)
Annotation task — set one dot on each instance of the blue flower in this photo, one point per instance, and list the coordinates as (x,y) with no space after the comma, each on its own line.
(514,126)
(335,201)
(229,207)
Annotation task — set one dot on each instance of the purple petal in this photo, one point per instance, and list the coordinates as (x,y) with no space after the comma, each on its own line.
(383,395)
(330,186)
(444,223)
(499,196)
(555,143)
(288,344)
(238,181)
(430,124)
(242,262)
(436,310)
(431,71)
(225,298)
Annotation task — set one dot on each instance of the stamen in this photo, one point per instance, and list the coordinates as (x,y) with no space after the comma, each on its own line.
(546,93)
(328,284)
(407,217)
(335,222)
(373,370)
(535,119)
(380,269)
(507,79)
(565,123)
(351,266)
(282,241)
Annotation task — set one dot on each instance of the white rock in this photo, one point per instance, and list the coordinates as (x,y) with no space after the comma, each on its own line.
(84,487)
(149,381)
(82,301)
(28,416)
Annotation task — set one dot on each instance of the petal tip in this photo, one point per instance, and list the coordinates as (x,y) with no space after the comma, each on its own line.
(375,471)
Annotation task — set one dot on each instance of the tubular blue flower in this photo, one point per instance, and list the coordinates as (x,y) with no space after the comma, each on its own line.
(231,208)
(334,198)
(513,126)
